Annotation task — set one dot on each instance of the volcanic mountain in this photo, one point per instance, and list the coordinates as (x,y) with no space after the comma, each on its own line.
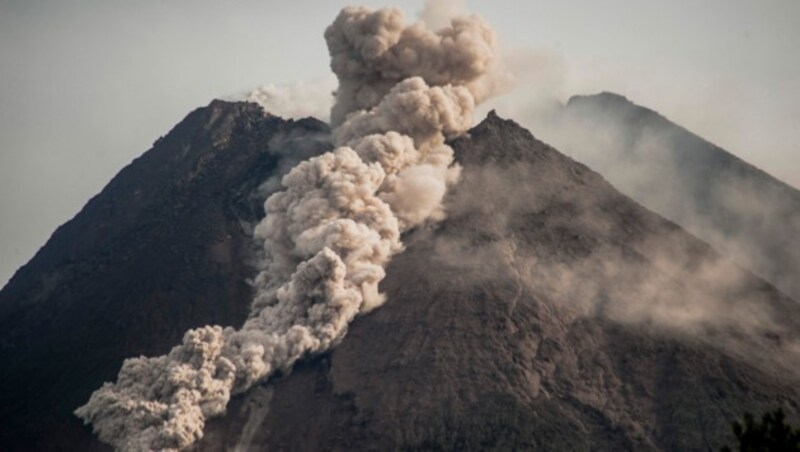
(739,209)
(547,311)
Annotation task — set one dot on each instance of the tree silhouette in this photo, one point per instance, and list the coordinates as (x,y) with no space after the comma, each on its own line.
(772,434)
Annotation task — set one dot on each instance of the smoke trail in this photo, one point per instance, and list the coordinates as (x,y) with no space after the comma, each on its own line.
(330,233)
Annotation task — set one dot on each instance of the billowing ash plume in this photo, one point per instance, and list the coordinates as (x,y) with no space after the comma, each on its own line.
(373,51)
(330,233)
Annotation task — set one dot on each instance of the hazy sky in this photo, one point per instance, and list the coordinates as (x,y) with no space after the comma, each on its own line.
(86,86)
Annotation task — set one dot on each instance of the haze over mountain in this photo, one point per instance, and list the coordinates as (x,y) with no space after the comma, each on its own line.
(738,208)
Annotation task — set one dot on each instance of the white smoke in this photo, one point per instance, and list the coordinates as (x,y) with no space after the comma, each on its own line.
(297,100)
(403,89)
(437,13)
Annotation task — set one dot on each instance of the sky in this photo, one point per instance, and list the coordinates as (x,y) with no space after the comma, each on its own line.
(86,86)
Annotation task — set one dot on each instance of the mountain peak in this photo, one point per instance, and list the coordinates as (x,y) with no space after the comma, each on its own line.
(164,247)
(506,131)
(605,97)
(740,209)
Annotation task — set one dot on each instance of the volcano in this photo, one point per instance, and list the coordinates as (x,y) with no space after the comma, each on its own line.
(547,311)
(164,247)
(738,208)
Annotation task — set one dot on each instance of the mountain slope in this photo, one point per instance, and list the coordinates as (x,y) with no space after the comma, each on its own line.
(161,249)
(738,208)
(547,311)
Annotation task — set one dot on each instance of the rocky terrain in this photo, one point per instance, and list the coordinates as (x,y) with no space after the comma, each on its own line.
(163,248)
(548,311)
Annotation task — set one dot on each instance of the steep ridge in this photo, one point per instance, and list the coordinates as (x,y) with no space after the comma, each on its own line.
(547,312)
(739,209)
(163,248)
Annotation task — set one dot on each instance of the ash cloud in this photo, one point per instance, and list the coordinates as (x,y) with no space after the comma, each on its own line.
(290,149)
(373,52)
(331,230)
(437,13)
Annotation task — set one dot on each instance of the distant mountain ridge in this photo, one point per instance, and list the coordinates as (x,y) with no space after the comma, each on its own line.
(738,208)
(548,311)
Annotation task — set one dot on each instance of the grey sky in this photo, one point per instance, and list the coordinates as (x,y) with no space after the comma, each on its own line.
(88,85)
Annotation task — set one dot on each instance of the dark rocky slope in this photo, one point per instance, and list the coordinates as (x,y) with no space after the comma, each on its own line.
(738,208)
(161,249)
(547,312)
